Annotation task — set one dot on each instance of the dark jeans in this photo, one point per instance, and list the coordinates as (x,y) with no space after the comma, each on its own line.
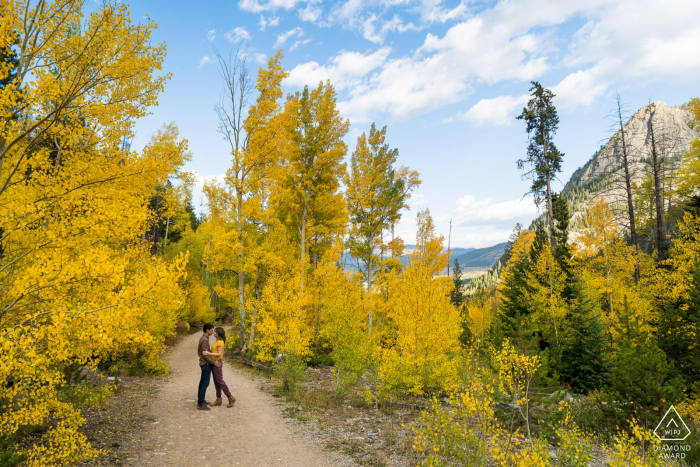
(219,383)
(203,383)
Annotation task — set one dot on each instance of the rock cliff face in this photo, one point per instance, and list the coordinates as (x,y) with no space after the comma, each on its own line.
(602,175)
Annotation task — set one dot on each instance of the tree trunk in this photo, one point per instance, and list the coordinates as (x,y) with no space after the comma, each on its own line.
(241,272)
(318,324)
(449,242)
(251,338)
(550,208)
(303,243)
(167,228)
(628,188)
(658,193)
(154,240)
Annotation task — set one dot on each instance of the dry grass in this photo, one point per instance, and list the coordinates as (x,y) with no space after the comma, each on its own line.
(117,428)
(373,437)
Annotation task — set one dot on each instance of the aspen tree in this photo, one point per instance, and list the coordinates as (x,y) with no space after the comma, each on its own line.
(257,137)
(315,167)
(605,263)
(427,324)
(76,284)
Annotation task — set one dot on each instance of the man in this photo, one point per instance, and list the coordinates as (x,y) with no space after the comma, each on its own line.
(205,363)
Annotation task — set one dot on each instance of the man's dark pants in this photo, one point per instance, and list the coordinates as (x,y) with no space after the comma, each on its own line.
(203,383)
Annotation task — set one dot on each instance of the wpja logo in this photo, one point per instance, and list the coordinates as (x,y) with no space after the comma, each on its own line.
(672,428)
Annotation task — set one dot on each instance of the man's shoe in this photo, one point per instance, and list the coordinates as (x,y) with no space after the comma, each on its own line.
(231,401)
(202,407)
(217,402)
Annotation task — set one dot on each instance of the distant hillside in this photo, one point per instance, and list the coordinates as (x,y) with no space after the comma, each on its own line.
(408,249)
(480,257)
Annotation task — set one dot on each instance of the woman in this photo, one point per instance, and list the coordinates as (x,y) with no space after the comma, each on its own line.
(217,353)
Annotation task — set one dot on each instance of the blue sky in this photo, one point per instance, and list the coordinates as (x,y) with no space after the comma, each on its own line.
(446,77)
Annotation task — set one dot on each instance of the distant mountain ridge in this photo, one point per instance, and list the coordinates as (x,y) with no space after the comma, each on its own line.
(481,258)
(599,175)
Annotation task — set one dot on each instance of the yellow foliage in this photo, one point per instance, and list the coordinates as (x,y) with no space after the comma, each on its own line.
(689,173)
(674,282)
(605,264)
(515,372)
(282,324)
(545,296)
(481,315)
(427,325)
(76,282)
(462,434)
(340,320)
(635,450)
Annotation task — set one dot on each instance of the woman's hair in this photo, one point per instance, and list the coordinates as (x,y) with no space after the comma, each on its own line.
(221,333)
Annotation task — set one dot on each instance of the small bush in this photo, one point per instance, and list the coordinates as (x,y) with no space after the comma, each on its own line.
(87,395)
(322,359)
(289,372)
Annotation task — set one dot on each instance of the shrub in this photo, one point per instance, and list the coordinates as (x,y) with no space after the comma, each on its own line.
(289,372)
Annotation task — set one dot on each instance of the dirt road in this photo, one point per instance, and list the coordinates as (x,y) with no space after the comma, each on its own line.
(253,432)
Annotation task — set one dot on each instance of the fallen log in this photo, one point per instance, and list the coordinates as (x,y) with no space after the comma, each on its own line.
(256,365)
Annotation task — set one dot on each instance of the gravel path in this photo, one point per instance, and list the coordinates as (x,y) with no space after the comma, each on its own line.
(253,432)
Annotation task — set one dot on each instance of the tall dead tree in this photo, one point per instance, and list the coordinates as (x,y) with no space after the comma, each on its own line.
(627,174)
(231,110)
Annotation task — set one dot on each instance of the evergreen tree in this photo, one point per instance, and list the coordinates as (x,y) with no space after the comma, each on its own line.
(639,372)
(542,122)
(561,232)
(514,292)
(457,294)
(678,332)
(583,361)
(466,336)
(540,241)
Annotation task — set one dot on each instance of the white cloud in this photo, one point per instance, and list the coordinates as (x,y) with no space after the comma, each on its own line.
(260,58)
(311,13)
(256,6)
(498,111)
(282,38)
(580,88)
(622,42)
(299,43)
(211,35)
(480,237)
(204,61)
(473,212)
(271,22)
(344,70)
(494,46)
(237,34)
(638,41)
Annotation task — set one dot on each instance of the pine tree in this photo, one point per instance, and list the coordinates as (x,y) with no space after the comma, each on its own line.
(584,358)
(678,332)
(561,231)
(639,372)
(457,294)
(542,121)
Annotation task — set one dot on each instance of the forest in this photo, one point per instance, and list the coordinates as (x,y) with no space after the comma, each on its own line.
(571,348)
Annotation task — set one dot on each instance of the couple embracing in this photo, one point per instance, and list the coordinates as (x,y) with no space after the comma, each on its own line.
(210,361)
